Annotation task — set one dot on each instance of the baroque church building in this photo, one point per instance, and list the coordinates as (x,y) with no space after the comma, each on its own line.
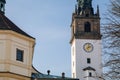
(17,47)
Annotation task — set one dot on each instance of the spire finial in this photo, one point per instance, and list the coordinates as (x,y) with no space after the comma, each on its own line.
(98,12)
(84,3)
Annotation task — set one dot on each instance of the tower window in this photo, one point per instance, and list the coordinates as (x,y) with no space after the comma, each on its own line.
(90,74)
(88,60)
(87,15)
(19,55)
(87,27)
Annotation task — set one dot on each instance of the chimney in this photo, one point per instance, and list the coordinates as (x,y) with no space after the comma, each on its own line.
(63,75)
(48,72)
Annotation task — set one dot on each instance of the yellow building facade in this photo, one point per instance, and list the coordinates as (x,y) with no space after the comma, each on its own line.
(16,50)
(12,68)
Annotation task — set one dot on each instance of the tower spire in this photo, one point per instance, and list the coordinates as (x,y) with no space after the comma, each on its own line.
(85,7)
(2,6)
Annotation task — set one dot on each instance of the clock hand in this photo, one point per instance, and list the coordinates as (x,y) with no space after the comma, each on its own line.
(88,47)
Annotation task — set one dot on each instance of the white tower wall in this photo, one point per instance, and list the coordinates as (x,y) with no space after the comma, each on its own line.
(79,58)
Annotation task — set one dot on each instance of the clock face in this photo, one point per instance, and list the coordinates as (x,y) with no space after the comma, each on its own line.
(88,47)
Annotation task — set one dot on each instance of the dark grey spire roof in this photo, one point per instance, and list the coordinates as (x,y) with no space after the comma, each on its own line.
(83,6)
(6,24)
(3,1)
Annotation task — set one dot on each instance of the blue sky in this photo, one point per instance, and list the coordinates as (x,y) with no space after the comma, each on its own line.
(49,22)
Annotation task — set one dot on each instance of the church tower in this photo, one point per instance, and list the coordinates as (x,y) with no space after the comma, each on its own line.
(86,53)
(16,50)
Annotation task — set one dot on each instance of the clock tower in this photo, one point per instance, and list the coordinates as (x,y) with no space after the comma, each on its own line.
(86,53)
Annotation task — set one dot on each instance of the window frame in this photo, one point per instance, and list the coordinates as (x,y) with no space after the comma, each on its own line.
(19,55)
(88,60)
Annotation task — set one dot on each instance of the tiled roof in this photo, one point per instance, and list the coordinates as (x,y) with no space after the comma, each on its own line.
(6,24)
(40,76)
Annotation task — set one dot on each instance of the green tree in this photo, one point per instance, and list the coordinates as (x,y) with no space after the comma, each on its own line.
(111,36)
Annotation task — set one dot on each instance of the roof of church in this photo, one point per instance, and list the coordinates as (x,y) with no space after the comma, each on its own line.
(40,76)
(6,24)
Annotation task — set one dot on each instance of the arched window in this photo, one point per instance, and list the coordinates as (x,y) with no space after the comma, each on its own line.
(87,15)
(87,27)
(1,5)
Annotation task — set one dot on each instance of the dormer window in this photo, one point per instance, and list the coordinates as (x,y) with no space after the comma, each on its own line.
(87,27)
(1,5)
